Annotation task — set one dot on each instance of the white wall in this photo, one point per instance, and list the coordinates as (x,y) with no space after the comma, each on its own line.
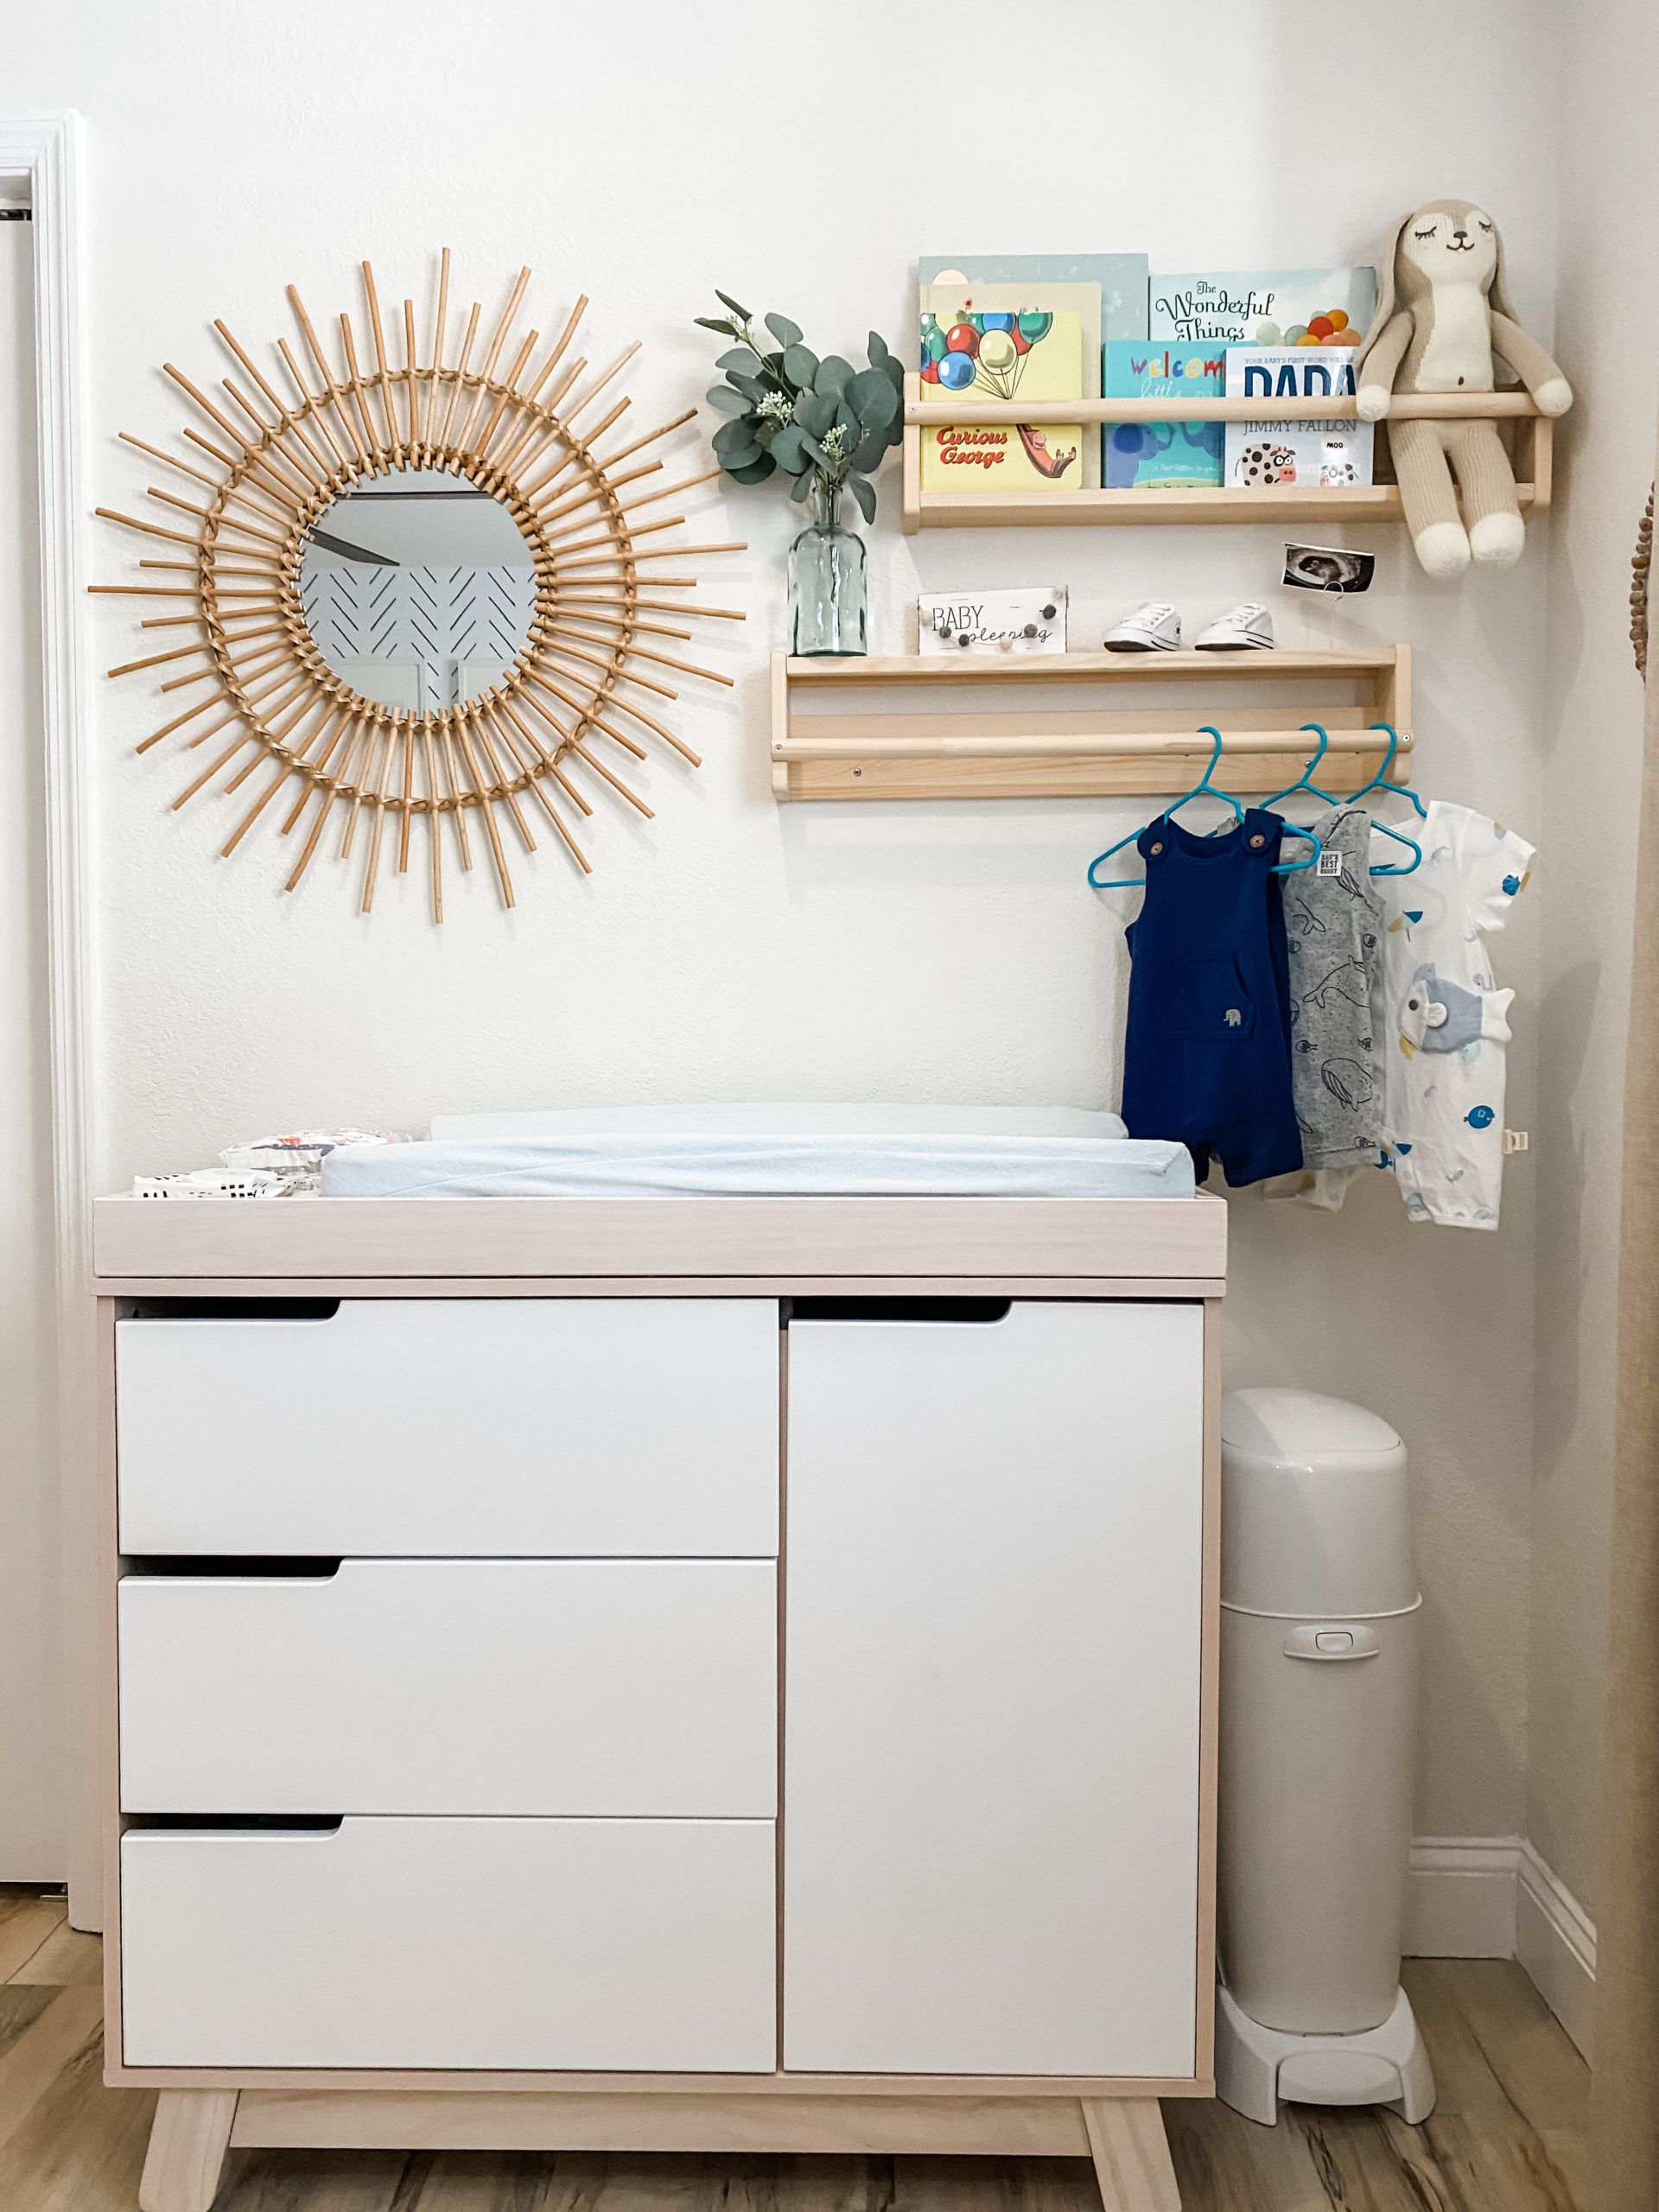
(730,948)
(1609,330)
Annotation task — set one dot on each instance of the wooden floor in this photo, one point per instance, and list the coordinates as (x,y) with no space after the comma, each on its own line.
(1506,2136)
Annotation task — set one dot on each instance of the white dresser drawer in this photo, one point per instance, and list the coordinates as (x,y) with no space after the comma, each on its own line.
(628,1946)
(644,1686)
(451,1426)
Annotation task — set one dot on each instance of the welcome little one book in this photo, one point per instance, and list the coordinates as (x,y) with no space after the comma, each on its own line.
(1265,307)
(1307,453)
(998,342)
(1162,455)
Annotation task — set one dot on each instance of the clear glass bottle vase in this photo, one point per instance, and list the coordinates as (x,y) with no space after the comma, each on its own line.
(827,582)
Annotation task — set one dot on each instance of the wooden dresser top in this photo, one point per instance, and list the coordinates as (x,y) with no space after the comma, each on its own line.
(1041,1246)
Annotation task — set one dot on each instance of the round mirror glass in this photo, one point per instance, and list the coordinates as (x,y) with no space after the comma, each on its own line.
(418,589)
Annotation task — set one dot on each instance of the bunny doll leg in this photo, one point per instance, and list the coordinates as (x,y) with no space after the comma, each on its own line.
(1428,497)
(1497,532)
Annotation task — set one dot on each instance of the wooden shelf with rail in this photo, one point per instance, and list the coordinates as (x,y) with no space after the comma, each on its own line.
(1528,435)
(896,727)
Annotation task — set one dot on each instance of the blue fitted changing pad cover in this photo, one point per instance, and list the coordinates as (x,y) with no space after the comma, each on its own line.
(769,1152)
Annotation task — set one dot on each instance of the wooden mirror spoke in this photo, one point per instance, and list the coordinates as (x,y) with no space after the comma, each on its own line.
(270,454)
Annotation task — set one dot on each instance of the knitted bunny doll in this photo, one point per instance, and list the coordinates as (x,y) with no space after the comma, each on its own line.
(1454,312)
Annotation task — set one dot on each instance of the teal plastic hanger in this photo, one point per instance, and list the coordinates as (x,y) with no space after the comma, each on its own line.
(1203,788)
(1380,781)
(1305,783)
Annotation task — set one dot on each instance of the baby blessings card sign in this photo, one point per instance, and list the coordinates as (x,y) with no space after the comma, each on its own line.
(993,622)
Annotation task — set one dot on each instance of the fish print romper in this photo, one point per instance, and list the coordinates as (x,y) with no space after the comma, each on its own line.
(1206,1058)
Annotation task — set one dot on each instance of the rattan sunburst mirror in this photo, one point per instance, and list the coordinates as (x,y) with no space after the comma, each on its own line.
(520,670)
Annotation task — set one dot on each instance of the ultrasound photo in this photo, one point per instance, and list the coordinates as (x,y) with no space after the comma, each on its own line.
(1328,568)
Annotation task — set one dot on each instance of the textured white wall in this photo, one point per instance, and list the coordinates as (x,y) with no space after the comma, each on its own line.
(1608,328)
(731,949)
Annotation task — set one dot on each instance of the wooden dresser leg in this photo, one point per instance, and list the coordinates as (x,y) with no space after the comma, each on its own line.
(1131,2154)
(189,2138)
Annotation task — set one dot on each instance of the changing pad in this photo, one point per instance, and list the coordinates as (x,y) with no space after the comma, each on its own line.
(786,1120)
(769,1151)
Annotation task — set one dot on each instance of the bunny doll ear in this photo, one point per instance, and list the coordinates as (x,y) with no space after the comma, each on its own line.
(1384,314)
(1498,295)
(1498,298)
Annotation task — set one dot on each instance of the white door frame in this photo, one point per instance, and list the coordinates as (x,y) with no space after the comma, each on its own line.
(45,150)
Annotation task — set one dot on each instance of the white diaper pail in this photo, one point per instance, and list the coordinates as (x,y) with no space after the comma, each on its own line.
(1318,1737)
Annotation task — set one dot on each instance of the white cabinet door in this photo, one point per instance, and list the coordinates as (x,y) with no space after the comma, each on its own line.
(444,1427)
(630,1946)
(991,1689)
(608,1685)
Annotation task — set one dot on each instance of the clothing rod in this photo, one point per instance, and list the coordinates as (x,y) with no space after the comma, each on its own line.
(1293,744)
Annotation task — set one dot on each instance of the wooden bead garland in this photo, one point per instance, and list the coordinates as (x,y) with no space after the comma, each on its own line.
(1641,562)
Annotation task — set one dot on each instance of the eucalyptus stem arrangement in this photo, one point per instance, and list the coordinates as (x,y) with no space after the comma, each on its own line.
(820,421)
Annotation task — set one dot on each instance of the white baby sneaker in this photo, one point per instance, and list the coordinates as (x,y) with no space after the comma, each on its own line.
(1249,628)
(1153,628)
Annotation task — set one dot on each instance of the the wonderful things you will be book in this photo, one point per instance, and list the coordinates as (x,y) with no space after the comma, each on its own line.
(1264,306)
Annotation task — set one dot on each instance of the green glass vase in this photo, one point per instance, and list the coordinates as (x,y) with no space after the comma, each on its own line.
(828,588)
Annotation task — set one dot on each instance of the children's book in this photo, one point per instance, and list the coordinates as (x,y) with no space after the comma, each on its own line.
(1122,277)
(1265,307)
(1311,453)
(1005,341)
(1162,455)
(1119,281)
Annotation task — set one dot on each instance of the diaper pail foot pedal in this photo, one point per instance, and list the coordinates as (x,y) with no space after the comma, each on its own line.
(1259,2069)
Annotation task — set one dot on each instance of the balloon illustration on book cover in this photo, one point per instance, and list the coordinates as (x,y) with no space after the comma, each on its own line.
(984,349)
(990,351)
(1331,328)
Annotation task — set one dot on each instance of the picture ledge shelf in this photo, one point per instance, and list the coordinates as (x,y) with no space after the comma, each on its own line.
(1532,455)
(845,747)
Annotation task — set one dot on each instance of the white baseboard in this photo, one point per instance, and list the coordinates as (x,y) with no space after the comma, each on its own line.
(1460,1897)
(1555,1941)
(1493,1897)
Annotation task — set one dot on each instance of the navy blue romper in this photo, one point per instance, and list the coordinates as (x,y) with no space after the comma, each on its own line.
(1206,1060)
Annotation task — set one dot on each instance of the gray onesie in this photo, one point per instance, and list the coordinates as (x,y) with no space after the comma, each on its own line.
(1333,925)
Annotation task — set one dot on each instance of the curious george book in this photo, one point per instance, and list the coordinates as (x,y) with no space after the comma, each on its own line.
(1002,341)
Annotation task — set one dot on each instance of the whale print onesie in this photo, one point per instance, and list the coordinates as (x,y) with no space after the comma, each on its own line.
(1441,1025)
(1447,1026)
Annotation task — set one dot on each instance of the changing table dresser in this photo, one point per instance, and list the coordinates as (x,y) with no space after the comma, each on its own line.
(730,1674)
